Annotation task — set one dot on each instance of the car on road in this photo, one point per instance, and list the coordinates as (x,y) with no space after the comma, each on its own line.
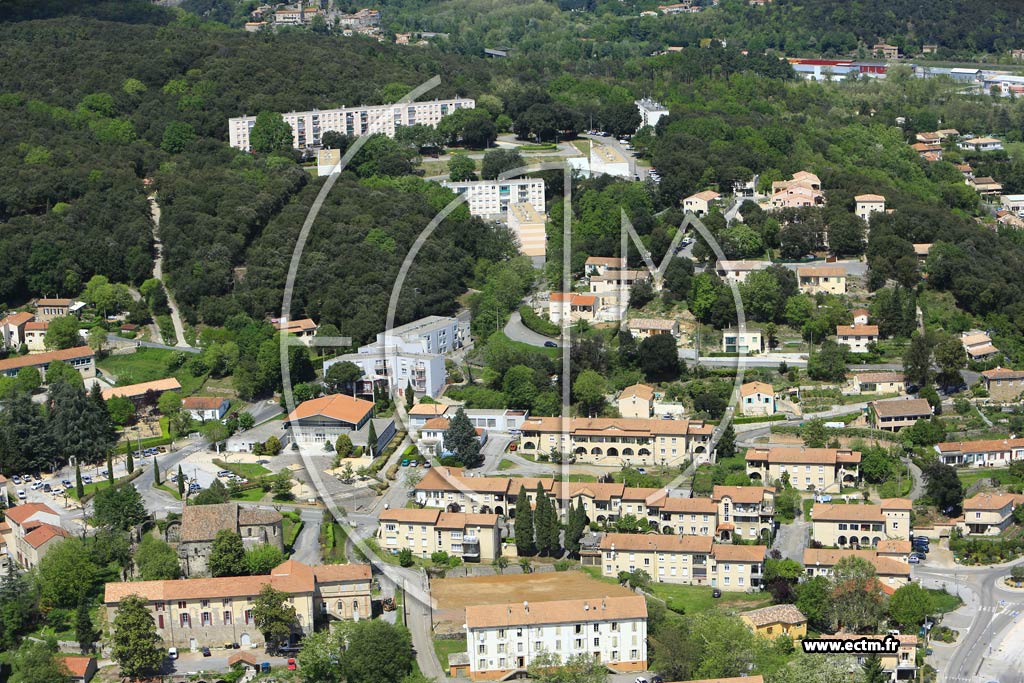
(426,464)
(206,652)
(86,479)
(914,559)
(291,664)
(551,345)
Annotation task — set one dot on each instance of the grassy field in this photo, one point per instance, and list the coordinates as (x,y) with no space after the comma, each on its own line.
(249,470)
(506,464)
(943,602)
(334,553)
(291,526)
(146,365)
(690,599)
(250,495)
(173,490)
(446,646)
(554,352)
(808,504)
(971,477)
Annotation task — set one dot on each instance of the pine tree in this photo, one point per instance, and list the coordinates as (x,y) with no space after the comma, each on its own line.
(410,396)
(872,670)
(371,439)
(129,461)
(523,527)
(181,482)
(79,487)
(110,468)
(726,447)
(461,440)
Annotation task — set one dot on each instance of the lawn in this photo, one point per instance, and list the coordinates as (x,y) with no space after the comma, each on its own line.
(173,490)
(506,464)
(808,504)
(446,646)
(552,351)
(971,477)
(691,599)
(332,546)
(249,470)
(943,602)
(146,365)
(291,526)
(252,495)
(96,485)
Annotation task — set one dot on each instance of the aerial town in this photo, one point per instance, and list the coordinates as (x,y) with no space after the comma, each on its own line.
(569,342)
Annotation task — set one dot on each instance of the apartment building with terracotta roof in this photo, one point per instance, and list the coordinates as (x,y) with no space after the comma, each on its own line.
(809,469)
(700,203)
(449,488)
(473,537)
(12,329)
(33,529)
(642,328)
(618,442)
(989,513)
(825,279)
(195,613)
(81,358)
(504,639)
(978,345)
(572,307)
(897,413)
(685,559)
(1003,384)
(303,329)
(746,511)
(892,573)
(775,621)
(861,526)
(867,204)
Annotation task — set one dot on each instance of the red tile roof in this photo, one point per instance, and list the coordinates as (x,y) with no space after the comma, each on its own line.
(34,359)
(336,406)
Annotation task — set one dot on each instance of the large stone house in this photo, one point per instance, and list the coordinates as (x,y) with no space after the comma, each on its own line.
(200,524)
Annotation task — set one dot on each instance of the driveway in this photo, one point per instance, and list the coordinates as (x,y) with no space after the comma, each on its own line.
(517,331)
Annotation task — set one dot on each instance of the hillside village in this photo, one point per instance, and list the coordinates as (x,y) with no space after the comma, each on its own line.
(567,385)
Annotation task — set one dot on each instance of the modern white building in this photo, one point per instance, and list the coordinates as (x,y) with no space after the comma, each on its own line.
(650,111)
(309,126)
(433,334)
(502,640)
(491,198)
(868,204)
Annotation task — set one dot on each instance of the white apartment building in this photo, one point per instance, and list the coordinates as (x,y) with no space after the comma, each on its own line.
(491,198)
(309,126)
(857,337)
(868,204)
(413,352)
(650,112)
(528,225)
(502,640)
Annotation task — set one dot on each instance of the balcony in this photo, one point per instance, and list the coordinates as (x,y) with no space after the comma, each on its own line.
(471,549)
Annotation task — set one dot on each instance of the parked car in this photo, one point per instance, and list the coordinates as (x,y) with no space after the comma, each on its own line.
(172,653)
(36,485)
(16,479)
(405,462)
(426,464)
(224,473)
(86,479)
(66,483)
(206,652)
(551,345)
(47,488)
(914,559)
(291,664)
(21,494)
(414,463)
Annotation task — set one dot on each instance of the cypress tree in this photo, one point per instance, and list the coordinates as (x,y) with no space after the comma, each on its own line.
(156,472)
(79,487)
(545,521)
(129,461)
(410,396)
(576,523)
(110,468)
(181,482)
(523,526)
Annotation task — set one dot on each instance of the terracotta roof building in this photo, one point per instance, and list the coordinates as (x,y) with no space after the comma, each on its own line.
(137,393)
(81,358)
(808,469)
(982,453)
(612,629)
(472,537)
(209,612)
(897,413)
(776,620)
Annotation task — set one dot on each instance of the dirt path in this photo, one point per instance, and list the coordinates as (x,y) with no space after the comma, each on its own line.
(158,273)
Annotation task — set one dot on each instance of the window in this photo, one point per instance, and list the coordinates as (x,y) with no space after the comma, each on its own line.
(597,642)
(206,618)
(227,616)
(160,621)
(181,604)
(159,607)
(633,655)
(248,616)
(204,603)
(481,649)
(185,620)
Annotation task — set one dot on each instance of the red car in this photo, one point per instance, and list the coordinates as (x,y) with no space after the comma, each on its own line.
(291,663)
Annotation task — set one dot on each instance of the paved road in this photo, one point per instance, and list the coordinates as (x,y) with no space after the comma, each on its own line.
(992,611)
(791,539)
(158,273)
(517,331)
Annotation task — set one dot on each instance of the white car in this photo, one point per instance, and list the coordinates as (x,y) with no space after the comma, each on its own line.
(21,494)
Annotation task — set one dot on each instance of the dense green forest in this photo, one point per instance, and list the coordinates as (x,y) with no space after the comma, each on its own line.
(109,103)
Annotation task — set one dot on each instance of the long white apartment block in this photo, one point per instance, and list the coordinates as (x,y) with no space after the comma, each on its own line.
(491,198)
(308,127)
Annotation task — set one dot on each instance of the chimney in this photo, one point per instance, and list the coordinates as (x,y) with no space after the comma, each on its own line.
(526,606)
(586,607)
(604,605)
